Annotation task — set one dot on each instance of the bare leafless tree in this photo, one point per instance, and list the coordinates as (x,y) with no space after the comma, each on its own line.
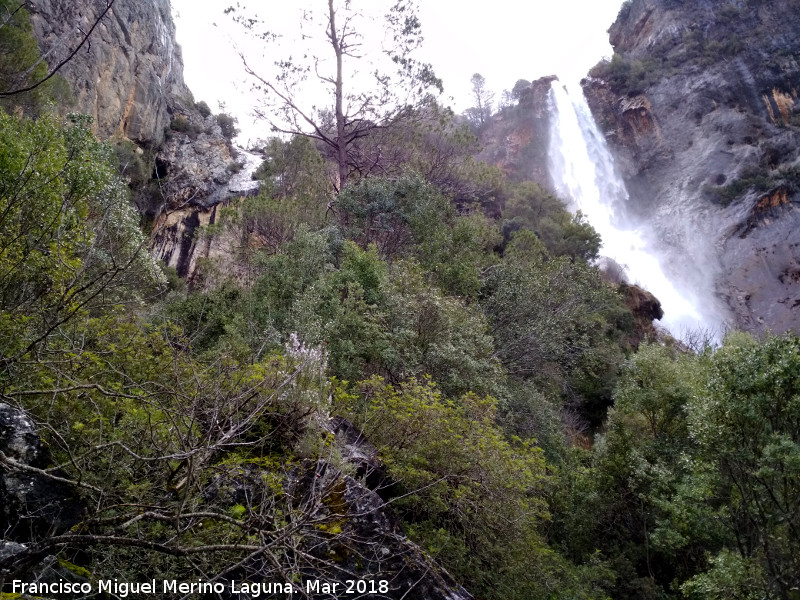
(350,112)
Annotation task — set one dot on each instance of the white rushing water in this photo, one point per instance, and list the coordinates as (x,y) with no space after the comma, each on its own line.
(242,183)
(583,173)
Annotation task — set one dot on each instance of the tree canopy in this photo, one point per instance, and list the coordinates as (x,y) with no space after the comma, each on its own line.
(480,113)
(365,66)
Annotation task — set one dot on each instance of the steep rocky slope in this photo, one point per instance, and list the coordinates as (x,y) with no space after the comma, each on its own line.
(515,139)
(129,78)
(700,105)
(700,108)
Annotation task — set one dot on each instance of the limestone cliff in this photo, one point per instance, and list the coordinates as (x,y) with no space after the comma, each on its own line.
(700,105)
(130,75)
(129,78)
(515,139)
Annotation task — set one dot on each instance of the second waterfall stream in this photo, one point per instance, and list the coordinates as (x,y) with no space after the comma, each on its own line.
(583,174)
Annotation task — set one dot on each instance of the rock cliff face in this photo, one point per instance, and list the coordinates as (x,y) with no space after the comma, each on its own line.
(130,74)
(515,140)
(700,108)
(129,78)
(700,105)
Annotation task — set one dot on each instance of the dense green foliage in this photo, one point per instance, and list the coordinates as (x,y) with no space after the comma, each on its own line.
(70,245)
(692,492)
(454,319)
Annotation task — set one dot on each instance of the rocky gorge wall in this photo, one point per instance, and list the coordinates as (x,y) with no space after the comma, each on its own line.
(130,75)
(700,106)
(129,78)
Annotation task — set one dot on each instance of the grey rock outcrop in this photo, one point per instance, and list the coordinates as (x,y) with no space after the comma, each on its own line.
(129,78)
(194,168)
(700,107)
(31,502)
(372,544)
(177,241)
(10,550)
(129,74)
(356,450)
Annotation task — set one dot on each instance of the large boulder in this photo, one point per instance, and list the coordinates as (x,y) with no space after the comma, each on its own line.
(34,499)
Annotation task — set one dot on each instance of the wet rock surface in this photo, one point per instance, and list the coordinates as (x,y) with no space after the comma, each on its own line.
(709,143)
(179,240)
(32,499)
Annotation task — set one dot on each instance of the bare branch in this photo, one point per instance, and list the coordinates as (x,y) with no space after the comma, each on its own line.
(57,68)
(29,469)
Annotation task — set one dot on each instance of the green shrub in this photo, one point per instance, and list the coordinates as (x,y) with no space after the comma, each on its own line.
(203,109)
(64,221)
(228,125)
(182,124)
(131,164)
(758,179)
(474,499)
(19,53)
(563,234)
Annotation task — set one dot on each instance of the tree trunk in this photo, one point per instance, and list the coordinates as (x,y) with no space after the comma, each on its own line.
(341,146)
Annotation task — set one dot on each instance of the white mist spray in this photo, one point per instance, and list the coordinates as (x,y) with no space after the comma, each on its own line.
(583,172)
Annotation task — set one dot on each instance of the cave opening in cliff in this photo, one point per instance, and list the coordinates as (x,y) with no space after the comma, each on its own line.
(161,169)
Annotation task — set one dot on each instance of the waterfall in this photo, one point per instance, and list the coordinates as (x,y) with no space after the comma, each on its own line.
(241,183)
(584,174)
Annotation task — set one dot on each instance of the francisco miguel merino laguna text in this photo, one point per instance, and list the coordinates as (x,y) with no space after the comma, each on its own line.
(171,586)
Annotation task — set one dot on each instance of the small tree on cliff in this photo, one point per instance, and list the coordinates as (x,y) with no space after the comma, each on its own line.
(369,82)
(480,114)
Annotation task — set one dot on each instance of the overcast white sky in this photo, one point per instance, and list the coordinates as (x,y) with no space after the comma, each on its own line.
(504,40)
